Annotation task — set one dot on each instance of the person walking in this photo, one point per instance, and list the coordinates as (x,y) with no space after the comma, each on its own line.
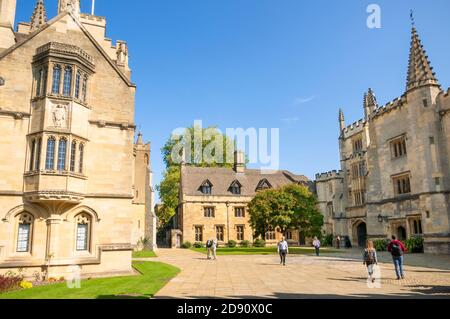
(283,250)
(338,242)
(370,259)
(316,244)
(209,245)
(397,250)
(214,249)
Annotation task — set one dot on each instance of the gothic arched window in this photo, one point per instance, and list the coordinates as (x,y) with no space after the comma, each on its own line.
(67,81)
(40,82)
(24,229)
(56,79)
(50,158)
(85,80)
(73,151)
(38,155)
(62,151)
(77,85)
(83,222)
(81,158)
(33,151)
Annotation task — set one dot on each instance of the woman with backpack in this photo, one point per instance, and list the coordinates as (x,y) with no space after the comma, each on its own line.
(370,259)
(397,250)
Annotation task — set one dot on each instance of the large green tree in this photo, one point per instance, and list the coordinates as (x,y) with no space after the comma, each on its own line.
(289,207)
(203,147)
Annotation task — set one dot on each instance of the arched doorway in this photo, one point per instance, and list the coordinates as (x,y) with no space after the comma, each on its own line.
(361,232)
(401,233)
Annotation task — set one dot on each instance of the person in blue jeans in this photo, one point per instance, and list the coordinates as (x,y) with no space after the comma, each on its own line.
(397,250)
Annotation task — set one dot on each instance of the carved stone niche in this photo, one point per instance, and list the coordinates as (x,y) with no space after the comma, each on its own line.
(59,115)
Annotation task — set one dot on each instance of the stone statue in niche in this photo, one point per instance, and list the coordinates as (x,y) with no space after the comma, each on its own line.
(59,115)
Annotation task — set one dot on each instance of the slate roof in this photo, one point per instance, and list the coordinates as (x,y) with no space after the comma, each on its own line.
(221,179)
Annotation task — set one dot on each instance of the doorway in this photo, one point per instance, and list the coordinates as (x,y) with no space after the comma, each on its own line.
(401,233)
(361,231)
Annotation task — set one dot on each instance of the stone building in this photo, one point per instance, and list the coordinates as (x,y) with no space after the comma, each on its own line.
(395,177)
(213,203)
(74,187)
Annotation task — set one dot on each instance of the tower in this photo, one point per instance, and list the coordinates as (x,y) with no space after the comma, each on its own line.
(7,16)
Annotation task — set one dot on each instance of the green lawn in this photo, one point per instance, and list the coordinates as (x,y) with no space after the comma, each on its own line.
(266,251)
(144,254)
(154,276)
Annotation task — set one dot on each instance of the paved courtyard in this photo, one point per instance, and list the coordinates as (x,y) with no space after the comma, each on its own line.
(332,276)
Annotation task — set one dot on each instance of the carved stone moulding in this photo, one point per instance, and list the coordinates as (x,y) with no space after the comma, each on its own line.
(58,196)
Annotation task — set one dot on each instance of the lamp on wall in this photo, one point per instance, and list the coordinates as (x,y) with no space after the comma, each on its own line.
(382,218)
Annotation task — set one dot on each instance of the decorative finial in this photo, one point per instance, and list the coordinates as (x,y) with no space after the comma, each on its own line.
(413,21)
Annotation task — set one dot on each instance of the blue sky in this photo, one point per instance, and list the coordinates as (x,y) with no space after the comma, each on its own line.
(287,64)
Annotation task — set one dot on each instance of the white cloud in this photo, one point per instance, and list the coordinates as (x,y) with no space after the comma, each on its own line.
(300,100)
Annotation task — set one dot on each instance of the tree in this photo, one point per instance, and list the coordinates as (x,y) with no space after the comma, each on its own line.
(291,206)
(214,151)
(306,212)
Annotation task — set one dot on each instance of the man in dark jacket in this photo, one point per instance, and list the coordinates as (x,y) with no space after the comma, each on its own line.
(397,250)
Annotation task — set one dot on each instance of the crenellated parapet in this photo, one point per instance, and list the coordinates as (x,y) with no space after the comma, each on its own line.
(323,177)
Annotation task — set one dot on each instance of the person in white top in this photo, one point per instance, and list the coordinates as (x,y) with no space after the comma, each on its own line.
(283,250)
(316,244)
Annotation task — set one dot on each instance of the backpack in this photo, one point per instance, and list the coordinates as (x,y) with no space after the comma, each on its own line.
(209,244)
(396,250)
(370,258)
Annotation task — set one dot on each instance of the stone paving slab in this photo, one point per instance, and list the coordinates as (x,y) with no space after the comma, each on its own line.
(254,276)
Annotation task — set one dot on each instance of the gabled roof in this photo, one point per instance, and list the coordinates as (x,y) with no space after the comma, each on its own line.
(192,177)
(263,184)
(85,31)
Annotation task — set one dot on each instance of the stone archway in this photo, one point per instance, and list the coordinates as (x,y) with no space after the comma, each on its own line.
(401,233)
(360,233)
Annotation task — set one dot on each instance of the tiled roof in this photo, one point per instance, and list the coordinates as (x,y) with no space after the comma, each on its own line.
(222,178)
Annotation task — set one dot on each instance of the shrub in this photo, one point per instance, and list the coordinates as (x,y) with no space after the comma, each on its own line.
(199,245)
(26,285)
(414,245)
(232,244)
(381,244)
(259,243)
(245,243)
(10,281)
(327,241)
(186,245)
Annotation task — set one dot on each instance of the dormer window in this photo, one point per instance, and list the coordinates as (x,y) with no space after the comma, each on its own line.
(206,188)
(235,188)
(263,185)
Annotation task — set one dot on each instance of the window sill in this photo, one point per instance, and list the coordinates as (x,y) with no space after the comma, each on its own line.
(55,173)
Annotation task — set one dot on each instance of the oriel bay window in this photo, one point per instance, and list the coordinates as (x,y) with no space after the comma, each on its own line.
(73,151)
(33,151)
(67,85)
(62,152)
(50,157)
(56,82)
(81,159)
(77,85)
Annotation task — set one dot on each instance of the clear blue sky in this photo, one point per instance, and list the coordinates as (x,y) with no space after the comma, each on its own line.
(288,64)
